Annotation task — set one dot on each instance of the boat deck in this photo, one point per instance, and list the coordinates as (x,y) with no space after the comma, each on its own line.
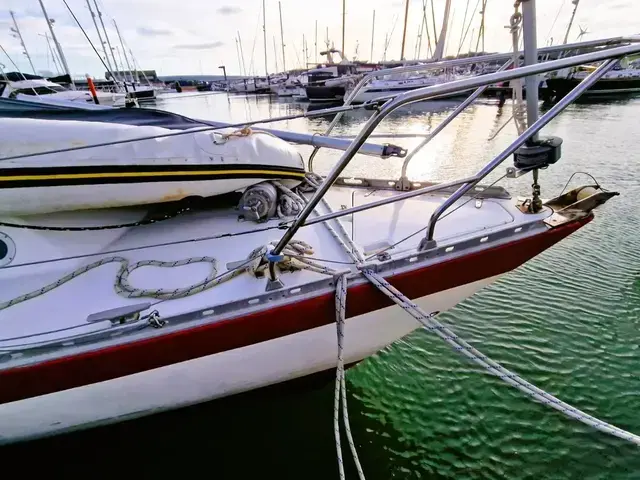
(43,257)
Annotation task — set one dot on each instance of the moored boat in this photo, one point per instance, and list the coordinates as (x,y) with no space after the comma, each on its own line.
(619,81)
(91,333)
(150,171)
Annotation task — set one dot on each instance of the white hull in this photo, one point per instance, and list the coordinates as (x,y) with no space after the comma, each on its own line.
(215,376)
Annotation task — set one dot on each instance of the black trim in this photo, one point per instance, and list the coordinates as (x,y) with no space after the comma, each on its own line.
(249,171)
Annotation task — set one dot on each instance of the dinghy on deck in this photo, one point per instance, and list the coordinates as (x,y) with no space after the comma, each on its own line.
(158,170)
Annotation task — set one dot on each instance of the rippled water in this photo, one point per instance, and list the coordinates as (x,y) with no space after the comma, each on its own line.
(568,321)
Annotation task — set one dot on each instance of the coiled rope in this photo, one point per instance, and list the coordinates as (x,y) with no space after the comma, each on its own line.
(294,259)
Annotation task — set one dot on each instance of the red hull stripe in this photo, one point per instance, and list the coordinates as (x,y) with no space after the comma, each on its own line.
(117,361)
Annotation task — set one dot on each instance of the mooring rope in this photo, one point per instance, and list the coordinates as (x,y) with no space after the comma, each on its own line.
(464,348)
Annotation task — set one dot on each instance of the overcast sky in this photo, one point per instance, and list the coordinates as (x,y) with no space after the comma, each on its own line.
(197,36)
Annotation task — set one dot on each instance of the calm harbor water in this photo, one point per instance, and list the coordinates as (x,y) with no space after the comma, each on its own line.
(568,321)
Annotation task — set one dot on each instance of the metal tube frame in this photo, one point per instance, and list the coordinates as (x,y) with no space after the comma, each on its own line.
(421,94)
(435,65)
(468,101)
(526,135)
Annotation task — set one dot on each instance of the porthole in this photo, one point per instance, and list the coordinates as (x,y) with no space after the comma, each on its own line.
(7,250)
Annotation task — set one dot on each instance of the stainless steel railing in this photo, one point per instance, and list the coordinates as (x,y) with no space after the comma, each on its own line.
(609,56)
(498,57)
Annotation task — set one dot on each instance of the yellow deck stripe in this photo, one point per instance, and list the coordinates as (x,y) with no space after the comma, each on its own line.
(67,176)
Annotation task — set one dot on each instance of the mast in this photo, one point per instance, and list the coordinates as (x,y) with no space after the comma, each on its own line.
(481,31)
(124,51)
(275,52)
(443,33)
(16,30)
(373,31)
(106,37)
(135,70)
(238,53)
(344,15)
(304,49)
(426,28)
(416,51)
(315,44)
(57,44)
(244,68)
(433,19)
(284,62)
(404,30)
(462,32)
(531,58)
(264,32)
(573,15)
(52,52)
(95,24)
(121,62)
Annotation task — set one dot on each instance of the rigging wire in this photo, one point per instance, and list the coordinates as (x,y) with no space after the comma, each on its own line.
(144,247)
(582,173)
(554,21)
(89,40)
(466,32)
(473,197)
(208,128)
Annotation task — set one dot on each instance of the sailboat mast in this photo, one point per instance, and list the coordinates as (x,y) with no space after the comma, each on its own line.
(264,33)
(284,62)
(53,53)
(426,29)
(573,15)
(443,33)
(135,70)
(373,31)
(124,51)
(244,68)
(481,31)
(95,24)
(404,30)
(106,37)
(416,51)
(315,45)
(433,19)
(17,30)
(304,48)
(57,44)
(275,52)
(531,58)
(344,15)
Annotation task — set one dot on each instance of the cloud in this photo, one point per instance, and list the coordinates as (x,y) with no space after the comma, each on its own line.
(228,10)
(154,32)
(199,46)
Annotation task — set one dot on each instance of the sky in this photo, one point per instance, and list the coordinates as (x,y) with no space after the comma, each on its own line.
(197,36)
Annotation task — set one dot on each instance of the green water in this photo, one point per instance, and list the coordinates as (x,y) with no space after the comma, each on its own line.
(568,321)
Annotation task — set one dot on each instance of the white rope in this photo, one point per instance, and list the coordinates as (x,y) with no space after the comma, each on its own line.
(517,99)
(341,386)
(340,392)
(461,346)
(294,259)
(457,343)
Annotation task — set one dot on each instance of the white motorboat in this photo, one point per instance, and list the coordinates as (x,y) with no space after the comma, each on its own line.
(151,171)
(91,331)
(40,90)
